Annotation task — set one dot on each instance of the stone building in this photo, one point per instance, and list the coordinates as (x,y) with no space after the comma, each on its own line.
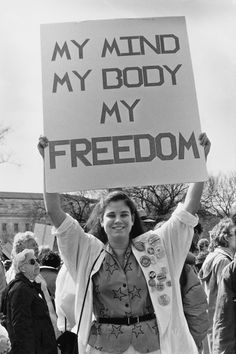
(19,212)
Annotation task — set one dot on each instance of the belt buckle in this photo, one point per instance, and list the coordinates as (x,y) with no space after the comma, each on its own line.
(128,320)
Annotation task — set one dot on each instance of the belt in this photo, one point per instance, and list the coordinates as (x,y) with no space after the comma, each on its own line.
(126,320)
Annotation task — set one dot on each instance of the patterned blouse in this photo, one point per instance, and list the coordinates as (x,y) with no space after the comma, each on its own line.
(122,292)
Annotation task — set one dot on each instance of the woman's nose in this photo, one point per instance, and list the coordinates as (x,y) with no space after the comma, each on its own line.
(117,218)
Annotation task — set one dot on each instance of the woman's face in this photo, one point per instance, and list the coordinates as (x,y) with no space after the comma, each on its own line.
(117,222)
(31,244)
(30,268)
(232,239)
(204,247)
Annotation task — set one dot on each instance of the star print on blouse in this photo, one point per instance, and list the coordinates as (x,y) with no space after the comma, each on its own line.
(111,267)
(137,330)
(135,292)
(116,330)
(98,348)
(117,294)
(155,329)
(128,267)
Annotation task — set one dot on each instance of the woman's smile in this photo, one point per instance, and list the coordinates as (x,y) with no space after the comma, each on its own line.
(117,222)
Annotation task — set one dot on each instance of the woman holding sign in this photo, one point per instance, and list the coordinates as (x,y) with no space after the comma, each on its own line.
(134,291)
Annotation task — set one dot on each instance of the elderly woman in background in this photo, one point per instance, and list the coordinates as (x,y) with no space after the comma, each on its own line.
(23,240)
(28,322)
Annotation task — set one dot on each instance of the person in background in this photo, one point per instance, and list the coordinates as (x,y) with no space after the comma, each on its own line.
(43,251)
(27,240)
(224,323)
(27,317)
(134,292)
(223,242)
(50,263)
(200,258)
(5,344)
(7,264)
(203,245)
(197,234)
(3,282)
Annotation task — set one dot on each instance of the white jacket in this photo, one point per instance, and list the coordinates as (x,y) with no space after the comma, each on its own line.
(79,250)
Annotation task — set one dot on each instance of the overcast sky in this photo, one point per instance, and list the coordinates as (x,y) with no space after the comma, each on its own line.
(211,28)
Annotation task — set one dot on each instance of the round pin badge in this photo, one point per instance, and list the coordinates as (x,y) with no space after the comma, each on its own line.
(161,277)
(152,282)
(160,286)
(159,252)
(145,261)
(152,274)
(150,250)
(154,240)
(164,270)
(164,300)
(153,259)
(139,246)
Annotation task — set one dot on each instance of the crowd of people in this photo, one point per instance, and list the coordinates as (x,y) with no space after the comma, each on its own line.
(162,291)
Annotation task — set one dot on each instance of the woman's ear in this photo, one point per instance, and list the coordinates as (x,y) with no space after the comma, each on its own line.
(22,269)
(226,238)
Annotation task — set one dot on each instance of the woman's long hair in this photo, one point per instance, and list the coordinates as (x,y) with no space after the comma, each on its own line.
(93,224)
(219,233)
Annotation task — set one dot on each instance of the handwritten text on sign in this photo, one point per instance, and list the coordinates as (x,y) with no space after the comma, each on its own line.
(119,92)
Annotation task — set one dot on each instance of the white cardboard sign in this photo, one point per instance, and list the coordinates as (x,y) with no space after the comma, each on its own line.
(119,104)
(43,234)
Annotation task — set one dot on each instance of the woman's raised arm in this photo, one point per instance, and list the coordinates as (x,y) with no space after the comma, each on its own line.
(51,200)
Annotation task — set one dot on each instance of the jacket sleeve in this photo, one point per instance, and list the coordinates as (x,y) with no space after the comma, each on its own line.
(22,338)
(219,267)
(76,247)
(224,326)
(177,234)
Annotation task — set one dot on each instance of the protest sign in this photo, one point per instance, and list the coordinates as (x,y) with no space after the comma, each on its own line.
(119,104)
(43,235)
(6,249)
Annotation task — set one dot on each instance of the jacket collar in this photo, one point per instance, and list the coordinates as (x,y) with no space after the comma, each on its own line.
(20,276)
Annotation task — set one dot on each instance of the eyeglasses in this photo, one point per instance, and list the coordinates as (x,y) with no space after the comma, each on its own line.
(33,261)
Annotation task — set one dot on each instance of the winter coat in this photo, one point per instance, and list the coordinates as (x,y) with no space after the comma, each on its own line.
(10,275)
(210,275)
(27,318)
(224,326)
